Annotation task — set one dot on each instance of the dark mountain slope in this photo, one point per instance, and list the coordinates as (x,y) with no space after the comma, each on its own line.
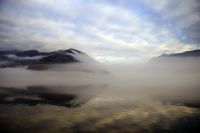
(188,55)
(35,59)
(193,53)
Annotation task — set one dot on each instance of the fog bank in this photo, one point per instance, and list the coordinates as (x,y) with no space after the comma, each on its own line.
(173,79)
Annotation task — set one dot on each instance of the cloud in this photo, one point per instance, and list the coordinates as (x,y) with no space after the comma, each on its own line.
(103,29)
(183,14)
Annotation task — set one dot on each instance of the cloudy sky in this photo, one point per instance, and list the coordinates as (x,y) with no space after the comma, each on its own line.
(108,30)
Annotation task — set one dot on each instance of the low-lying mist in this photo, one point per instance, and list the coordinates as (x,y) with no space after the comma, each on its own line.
(173,80)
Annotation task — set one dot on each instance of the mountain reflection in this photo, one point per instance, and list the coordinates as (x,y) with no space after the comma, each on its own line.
(33,95)
(152,98)
(100,114)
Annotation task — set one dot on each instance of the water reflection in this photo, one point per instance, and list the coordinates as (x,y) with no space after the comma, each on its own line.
(68,96)
(100,114)
(146,99)
(54,110)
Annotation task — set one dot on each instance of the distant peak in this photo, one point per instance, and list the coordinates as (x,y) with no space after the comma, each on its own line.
(31,51)
(73,51)
(189,54)
(192,53)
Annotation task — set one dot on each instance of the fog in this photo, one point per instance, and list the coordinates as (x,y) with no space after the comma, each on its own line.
(159,96)
(172,80)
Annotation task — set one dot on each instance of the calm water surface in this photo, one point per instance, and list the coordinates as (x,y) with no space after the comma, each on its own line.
(99,113)
(75,102)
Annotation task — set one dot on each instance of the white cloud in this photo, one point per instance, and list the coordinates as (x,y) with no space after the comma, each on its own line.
(101,29)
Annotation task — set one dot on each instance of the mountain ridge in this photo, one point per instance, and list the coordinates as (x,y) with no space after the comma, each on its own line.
(191,53)
(30,58)
(187,55)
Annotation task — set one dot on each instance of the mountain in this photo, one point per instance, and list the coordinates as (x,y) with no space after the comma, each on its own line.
(193,54)
(59,58)
(37,60)
(29,53)
(64,56)
(2,53)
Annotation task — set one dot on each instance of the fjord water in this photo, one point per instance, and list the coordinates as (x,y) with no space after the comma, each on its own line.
(126,98)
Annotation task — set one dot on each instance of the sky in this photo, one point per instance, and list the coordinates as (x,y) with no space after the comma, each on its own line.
(107,30)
